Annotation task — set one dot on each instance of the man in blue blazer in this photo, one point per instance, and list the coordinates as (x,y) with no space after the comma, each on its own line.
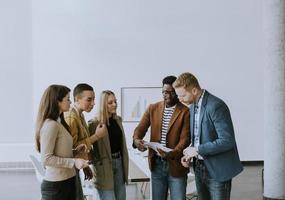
(213,146)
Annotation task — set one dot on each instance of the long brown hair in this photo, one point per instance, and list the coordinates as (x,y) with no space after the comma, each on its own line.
(49,108)
(103,114)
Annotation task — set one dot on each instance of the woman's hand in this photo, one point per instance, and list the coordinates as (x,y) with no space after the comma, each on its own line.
(80,163)
(101,131)
(82,148)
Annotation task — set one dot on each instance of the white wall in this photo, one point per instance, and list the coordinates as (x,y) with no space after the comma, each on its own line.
(15,78)
(113,44)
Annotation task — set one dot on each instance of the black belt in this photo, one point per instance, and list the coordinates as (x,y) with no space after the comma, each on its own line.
(116,155)
(199,161)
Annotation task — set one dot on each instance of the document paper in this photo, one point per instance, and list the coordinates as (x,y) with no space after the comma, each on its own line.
(156,145)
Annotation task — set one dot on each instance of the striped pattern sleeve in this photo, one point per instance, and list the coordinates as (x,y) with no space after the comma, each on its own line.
(167,113)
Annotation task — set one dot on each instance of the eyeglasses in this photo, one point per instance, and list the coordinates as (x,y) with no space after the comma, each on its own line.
(168,92)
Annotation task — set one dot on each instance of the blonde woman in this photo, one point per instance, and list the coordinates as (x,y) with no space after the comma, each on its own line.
(110,153)
(54,143)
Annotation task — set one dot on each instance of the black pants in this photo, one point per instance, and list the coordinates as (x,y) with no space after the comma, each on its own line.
(59,190)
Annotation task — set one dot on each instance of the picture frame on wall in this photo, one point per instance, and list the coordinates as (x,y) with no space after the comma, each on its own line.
(135,100)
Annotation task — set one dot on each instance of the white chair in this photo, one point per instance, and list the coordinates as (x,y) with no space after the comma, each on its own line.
(39,169)
(88,188)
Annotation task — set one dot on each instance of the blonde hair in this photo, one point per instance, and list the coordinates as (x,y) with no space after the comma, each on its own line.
(49,108)
(103,114)
(186,80)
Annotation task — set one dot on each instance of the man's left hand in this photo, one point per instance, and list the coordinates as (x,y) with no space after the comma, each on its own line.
(82,148)
(185,161)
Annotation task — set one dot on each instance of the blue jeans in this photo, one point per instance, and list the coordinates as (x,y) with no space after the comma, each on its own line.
(208,188)
(119,192)
(161,180)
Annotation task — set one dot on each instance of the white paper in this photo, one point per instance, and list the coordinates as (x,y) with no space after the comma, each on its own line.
(156,145)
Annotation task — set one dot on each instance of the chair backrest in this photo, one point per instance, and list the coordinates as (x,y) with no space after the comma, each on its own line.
(40,171)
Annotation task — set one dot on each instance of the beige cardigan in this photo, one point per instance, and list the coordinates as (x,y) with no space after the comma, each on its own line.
(56,151)
(103,160)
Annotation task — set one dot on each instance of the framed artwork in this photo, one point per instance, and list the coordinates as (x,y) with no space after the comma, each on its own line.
(135,100)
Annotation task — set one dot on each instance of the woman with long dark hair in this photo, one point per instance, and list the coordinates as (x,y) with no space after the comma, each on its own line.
(54,143)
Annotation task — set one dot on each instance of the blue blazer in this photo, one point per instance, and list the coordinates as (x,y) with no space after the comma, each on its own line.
(217,140)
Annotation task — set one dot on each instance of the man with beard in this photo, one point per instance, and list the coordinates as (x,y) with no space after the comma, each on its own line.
(213,145)
(169,123)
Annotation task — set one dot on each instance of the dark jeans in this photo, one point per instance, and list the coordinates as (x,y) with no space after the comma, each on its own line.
(208,188)
(78,185)
(58,190)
